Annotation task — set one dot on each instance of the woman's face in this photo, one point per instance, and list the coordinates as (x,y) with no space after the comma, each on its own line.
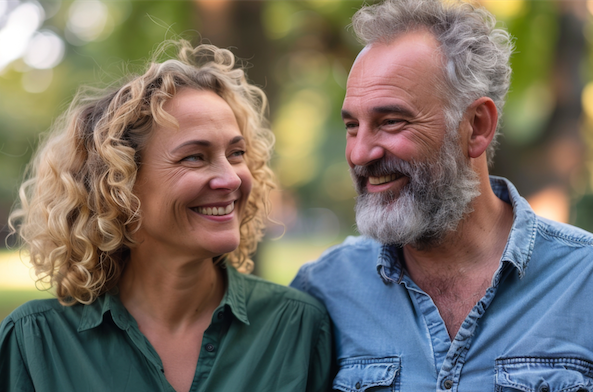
(193,182)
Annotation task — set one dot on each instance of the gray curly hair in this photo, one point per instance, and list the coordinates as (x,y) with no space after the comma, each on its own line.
(476,54)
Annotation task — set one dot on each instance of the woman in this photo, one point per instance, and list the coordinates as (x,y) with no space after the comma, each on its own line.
(138,210)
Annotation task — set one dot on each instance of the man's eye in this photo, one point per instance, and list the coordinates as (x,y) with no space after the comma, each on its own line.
(392,121)
(350,125)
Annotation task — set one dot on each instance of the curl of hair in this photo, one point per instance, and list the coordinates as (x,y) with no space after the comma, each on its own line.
(476,53)
(78,212)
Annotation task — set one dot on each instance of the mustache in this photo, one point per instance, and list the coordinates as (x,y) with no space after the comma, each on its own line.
(382,167)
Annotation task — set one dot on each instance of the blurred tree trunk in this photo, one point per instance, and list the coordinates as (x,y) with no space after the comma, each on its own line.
(237,25)
(551,166)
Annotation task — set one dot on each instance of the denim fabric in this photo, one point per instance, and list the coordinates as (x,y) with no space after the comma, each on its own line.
(532,330)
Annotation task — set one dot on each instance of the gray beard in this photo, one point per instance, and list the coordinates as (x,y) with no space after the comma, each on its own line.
(433,202)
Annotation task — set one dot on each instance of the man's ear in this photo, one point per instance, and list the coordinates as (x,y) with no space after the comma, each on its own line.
(483,117)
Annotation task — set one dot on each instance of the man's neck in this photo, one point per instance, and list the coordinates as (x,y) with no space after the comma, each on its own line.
(457,273)
(478,241)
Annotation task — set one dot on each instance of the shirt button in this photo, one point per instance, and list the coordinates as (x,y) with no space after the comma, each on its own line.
(448,384)
(220,315)
(209,347)
(544,388)
(357,385)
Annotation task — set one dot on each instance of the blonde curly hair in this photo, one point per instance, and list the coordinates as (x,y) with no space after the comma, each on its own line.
(78,212)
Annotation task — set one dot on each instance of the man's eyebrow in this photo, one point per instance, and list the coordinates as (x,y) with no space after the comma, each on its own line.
(394,109)
(387,109)
(346,114)
(206,143)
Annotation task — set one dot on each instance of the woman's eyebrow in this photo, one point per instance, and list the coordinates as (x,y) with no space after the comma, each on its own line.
(236,139)
(206,143)
(202,143)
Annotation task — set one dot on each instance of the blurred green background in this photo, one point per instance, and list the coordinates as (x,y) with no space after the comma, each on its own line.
(300,53)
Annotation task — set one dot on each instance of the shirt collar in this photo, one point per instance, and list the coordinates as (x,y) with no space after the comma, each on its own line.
(519,245)
(235,297)
(93,314)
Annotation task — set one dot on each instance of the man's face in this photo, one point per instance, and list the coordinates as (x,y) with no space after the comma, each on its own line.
(391,108)
(414,182)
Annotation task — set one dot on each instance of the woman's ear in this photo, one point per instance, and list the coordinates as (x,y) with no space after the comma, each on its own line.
(482,117)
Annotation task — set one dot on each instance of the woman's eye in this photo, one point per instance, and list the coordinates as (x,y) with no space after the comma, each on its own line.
(193,158)
(238,153)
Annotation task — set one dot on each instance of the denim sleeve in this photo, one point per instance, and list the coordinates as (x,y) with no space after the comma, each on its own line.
(301,280)
(14,375)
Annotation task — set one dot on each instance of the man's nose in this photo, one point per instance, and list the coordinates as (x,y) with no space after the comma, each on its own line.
(225,177)
(363,149)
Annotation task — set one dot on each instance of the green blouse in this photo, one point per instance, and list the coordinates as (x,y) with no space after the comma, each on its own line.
(263,337)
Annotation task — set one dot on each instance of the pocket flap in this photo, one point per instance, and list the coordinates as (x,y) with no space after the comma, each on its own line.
(544,374)
(361,373)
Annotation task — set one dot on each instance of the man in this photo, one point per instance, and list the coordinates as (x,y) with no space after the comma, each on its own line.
(455,285)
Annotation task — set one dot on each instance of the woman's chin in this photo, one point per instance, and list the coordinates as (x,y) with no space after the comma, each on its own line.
(221,246)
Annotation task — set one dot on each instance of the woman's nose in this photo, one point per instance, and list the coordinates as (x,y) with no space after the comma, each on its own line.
(225,177)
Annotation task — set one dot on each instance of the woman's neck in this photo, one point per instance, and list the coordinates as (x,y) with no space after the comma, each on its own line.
(171,291)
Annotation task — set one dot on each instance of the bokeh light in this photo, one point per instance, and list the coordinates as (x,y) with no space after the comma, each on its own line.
(45,50)
(37,80)
(526,115)
(299,132)
(22,23)
(276,19)
(551,203)
(505,9)
(587,100)
(87,20)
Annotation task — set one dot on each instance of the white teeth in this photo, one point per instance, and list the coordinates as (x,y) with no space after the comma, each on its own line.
(382,179)
(216,210)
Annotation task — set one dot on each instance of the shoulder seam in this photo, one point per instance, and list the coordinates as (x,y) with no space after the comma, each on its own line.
(29,314)
(543,228)
(321,309)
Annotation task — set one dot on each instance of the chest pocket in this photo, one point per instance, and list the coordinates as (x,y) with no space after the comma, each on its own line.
(368,374)
(544,375)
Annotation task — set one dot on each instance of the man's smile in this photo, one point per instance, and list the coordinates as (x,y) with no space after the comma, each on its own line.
(384,179)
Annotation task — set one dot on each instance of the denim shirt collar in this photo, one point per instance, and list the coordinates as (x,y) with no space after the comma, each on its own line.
(93,314)
(519,245)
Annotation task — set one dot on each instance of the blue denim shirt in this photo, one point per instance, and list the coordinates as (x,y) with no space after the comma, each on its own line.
(532,330)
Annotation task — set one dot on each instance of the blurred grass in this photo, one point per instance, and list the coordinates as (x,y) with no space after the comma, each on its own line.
(12,299)
(281,259)
(16,285)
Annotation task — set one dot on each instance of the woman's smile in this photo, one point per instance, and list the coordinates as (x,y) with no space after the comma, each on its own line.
(215,209)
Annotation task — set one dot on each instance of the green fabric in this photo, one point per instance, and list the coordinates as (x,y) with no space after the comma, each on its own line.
(263,337)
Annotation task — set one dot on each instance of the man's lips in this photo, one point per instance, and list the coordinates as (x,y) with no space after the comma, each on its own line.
(215,210)
(384,179)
